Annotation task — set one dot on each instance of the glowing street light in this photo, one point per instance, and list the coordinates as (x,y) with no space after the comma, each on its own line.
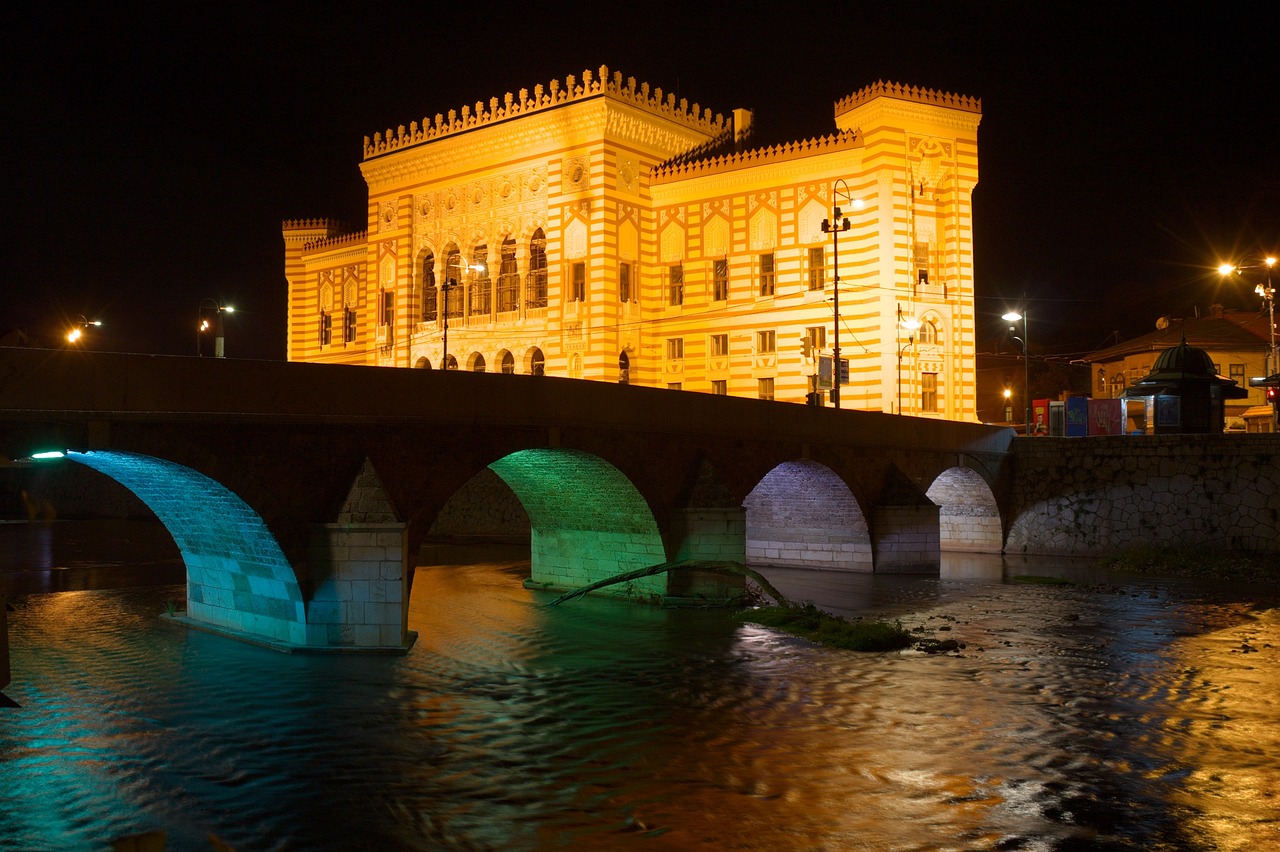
(78,330)
(202,325)
(1268,294)
(1014,316)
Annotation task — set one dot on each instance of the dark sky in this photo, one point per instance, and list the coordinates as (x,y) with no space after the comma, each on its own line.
(152,150)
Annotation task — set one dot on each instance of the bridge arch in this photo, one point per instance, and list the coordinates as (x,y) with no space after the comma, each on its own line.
(968,514)
(238,578)
(587,520)
(803,514)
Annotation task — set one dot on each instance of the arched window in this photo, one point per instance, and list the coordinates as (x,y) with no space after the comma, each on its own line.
(451,363)
(536,362)
(454,281)
(508,278)
(928,332)
(535,295)
(429,292)
(476,364)
(624,369)
(507,362)
(422,364)
(480,283)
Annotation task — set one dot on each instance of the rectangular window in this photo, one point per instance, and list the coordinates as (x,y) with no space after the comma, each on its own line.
(720,280)
(388,314)
(675,348)
(349,327)
(673,385)
(766,342)
(1237,373)
(578,284)
(719,345)
(326,329)
(720,387)
(815,340)
(817,268)
(764,388)
(624,282)
(676,285)
(928,391)
(766,274)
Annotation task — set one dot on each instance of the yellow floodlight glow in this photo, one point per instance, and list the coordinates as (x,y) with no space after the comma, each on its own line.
(73,335)
(1226,268)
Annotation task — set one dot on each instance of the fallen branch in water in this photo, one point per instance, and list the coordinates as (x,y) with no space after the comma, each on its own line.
(665,567)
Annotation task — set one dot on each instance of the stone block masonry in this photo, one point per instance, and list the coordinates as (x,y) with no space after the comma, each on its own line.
(1092,496)
(360,586)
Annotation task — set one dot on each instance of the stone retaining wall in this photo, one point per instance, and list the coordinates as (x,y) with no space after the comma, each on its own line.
(1092,496)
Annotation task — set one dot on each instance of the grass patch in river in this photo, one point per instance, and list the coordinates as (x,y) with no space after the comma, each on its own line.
(809,622)
(1204,562)
(1034,580)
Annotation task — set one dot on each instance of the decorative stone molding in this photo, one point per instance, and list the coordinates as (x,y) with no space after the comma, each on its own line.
(757,157)
(933,97)
(386,216)
(543,98)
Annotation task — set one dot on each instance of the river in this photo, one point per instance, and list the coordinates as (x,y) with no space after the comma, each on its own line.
(1117,712)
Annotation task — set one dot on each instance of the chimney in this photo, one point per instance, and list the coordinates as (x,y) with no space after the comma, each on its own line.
(741,125)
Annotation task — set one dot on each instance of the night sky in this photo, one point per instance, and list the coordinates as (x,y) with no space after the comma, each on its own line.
(153,150)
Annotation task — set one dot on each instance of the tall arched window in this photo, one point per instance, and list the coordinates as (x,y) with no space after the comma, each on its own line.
(454,282)
(536,362)
(624,369)
(479,282)
(507,362)
(508,278)
(536,281)
(928,332)
(429,292)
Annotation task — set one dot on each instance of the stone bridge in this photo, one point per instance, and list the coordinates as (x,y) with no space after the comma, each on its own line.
(298,494)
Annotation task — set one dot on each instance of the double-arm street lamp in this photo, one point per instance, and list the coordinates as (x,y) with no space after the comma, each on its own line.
(450,284)
(1012,317)
(202,325)
(834,226)
(1268,294)
(79,327)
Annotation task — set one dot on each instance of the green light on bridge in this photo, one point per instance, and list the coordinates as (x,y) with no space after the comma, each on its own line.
(46,455)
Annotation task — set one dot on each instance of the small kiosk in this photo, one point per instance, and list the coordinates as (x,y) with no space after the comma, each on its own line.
(1184,394)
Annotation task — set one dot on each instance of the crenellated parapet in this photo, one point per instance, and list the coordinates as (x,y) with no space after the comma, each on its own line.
(338,240)
(933,97)
(555,94)
(756,157)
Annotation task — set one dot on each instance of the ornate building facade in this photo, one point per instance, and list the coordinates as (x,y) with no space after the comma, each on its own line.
(599,229)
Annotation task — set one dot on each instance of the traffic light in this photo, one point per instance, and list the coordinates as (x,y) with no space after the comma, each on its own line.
(1273,397)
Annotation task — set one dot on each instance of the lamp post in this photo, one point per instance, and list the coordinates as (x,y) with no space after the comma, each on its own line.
(1268,294)
(1014,316)
(910,324)
(448,286)
(202,325)
(834,226)
(78,329)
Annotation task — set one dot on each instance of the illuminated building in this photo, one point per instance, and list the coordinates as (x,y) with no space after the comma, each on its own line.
(599,228)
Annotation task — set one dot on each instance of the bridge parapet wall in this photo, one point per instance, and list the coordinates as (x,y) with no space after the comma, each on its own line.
(1093,496)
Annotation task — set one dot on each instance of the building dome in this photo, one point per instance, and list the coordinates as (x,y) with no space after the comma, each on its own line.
(1183,362)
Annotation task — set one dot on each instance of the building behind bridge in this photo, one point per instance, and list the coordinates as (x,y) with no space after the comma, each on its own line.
(602,229)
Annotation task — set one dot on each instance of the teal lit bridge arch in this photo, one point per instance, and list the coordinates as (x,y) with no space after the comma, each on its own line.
(587,520)
(237,576)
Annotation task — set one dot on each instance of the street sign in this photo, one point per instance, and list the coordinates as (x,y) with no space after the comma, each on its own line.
(824,372)
(844,371)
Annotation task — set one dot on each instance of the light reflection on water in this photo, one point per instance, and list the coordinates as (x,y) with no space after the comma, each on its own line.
(1112,713)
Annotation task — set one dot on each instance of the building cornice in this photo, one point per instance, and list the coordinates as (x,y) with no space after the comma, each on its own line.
(654,102)
(901,92)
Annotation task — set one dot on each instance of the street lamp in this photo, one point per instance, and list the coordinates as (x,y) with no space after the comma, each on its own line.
(445,288)
(81,325)
(910,324)
(1014,316)
(1008,405)
(202,325)
(1268,294)
(834,226)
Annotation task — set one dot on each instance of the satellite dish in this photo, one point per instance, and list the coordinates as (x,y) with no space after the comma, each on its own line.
(1162,323)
